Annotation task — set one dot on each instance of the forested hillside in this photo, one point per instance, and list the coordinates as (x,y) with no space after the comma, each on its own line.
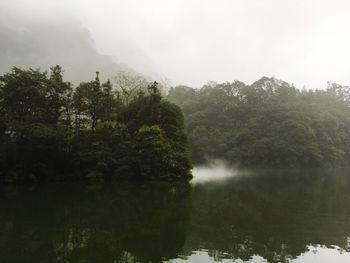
(52,131)
(269,123)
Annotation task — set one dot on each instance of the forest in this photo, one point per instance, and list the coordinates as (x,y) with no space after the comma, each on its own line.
(52,131)
(269,123)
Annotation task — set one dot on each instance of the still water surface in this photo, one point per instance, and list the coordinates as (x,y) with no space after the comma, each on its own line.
(261,217)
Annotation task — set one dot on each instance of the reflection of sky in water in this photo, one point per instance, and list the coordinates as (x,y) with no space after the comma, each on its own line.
(316,254)
(203,257)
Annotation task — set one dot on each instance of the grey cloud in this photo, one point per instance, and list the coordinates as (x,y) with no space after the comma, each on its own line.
(188,41)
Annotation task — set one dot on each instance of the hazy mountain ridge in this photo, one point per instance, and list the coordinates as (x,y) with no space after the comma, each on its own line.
(42,43)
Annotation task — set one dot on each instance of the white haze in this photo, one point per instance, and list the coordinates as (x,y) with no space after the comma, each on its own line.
(215,171)
(305,42)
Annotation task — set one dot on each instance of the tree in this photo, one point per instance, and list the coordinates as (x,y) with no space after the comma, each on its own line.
(58,97)
(113,130)
(23,94)
(130,84)
(153,153)
(269,123)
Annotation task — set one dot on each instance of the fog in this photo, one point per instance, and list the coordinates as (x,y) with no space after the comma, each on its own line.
(37,39)
(217,171)
(186,41)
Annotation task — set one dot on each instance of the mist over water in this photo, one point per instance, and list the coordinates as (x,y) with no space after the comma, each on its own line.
(217,170)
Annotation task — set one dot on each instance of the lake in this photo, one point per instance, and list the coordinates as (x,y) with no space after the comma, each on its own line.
(236,217)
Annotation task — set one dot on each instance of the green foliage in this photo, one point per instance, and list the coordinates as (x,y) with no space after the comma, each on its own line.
(152,152)
(101,152)
(50,131)
(155,156)
(268,123)
(22,96)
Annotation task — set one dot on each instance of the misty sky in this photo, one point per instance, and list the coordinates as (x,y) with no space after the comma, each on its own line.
(305,42)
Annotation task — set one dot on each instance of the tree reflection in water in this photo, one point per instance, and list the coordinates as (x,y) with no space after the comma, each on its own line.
(276,216)
(75,223)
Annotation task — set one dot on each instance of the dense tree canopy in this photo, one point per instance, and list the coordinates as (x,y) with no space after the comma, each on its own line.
(52,131)
(268,123)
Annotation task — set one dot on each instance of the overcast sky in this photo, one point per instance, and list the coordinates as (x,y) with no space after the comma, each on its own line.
(305,42)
